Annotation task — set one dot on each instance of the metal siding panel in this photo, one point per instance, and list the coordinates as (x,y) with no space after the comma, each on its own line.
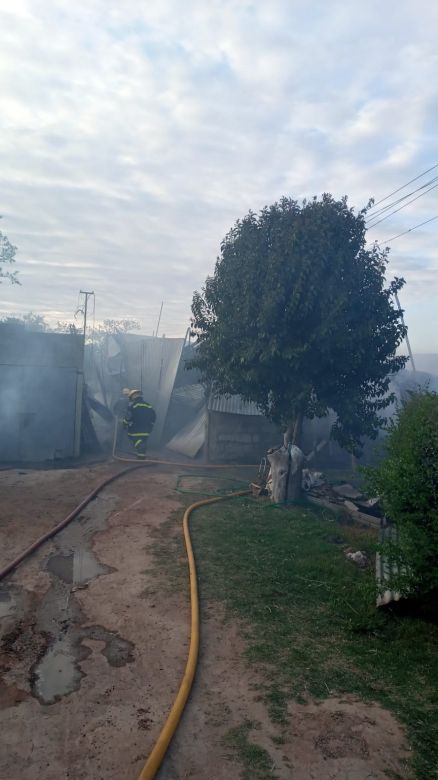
(191,438)
(193,395)
(37,421)
(233,404)
(385,567)
(9,420)
(27,348)
(152,363)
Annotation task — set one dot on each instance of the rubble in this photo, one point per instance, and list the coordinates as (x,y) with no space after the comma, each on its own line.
(350,506)
(359,558)
(347,491)
(312,479)
(366,511)
(319,491)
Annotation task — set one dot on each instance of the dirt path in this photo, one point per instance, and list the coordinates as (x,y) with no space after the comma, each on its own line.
(93,648)
(88,671)
(34,501)
(337,739)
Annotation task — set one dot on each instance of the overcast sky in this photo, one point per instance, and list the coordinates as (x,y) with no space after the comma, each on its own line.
(133,134)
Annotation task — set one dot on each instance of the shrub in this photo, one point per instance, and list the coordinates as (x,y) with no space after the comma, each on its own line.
(407,480)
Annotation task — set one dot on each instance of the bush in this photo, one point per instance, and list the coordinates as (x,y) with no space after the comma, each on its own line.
(407,480)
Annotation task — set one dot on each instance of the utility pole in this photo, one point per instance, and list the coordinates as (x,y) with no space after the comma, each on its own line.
(80,372)
(84,311)
(407,338)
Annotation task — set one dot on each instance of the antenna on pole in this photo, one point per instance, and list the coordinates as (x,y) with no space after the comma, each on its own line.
(407,338)
(159,318)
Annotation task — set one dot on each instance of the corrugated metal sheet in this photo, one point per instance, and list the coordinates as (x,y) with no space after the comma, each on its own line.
(150,364)
(19,346)
(385,568)
(186,376)
(192,395)
(190,439)
(233,404)
(40,395)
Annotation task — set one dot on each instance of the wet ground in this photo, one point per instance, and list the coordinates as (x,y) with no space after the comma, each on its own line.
(74,566)
(80,649)
(93,648)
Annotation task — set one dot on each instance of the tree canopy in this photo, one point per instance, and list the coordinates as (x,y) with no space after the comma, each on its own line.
(298,318)
(38,322)
(7,256)
(29,321)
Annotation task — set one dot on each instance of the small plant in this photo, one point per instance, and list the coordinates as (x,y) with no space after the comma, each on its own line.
(407,480)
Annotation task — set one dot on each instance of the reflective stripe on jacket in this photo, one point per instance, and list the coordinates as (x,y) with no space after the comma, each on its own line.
(140,418)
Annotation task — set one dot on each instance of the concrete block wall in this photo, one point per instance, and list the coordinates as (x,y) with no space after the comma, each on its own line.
(234,438)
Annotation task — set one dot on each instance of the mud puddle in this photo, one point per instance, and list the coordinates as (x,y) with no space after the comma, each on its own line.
(78,568)
(58,673)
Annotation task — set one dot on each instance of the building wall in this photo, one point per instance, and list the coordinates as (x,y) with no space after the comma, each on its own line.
(40,395)
(239,438)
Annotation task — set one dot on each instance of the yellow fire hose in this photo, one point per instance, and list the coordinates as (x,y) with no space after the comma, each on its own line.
(159,750)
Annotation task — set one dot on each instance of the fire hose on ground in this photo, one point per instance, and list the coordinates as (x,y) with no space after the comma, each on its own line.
(168,730)
(184,464)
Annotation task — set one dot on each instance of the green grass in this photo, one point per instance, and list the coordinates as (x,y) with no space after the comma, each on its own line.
(256,761)
(309,618)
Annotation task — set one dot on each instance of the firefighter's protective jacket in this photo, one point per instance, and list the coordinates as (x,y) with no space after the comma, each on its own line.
(140,418)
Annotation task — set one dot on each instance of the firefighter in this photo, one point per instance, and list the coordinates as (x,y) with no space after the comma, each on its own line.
(139,421)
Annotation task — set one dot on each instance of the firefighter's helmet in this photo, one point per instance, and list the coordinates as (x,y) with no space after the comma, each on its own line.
(133,394)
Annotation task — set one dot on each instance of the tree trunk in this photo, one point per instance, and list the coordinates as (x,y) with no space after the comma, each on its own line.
(293,432)
(287,473)
(298,429)
(288,435)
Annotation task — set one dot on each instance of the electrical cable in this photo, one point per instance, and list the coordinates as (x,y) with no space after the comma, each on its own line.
(388,241)
(401,207)
(381,211)
(394,192)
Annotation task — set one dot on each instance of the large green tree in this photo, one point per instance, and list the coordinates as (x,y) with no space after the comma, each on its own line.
(298,318)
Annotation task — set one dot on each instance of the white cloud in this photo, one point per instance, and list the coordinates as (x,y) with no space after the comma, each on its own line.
(133,135)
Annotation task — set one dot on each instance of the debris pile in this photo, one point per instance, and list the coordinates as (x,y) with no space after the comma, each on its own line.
(359,557)
(346,496)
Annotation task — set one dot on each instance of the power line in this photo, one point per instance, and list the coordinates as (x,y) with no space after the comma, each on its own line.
(400,200)
(388,241)
(401,207)
(405,185)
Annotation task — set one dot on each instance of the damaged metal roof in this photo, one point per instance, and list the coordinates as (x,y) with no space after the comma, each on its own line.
(233,404)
